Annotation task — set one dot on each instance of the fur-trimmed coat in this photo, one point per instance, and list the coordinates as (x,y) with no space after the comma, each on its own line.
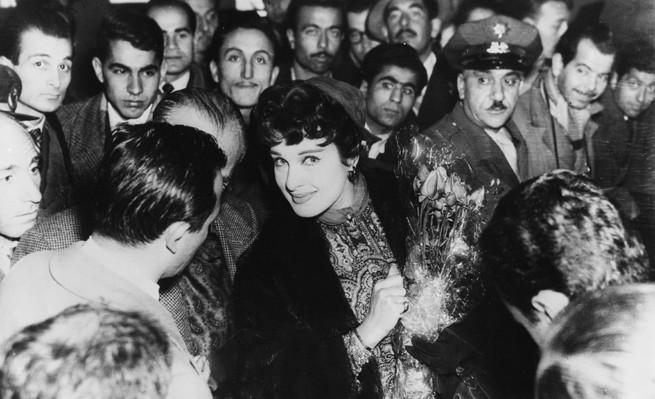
(291,312)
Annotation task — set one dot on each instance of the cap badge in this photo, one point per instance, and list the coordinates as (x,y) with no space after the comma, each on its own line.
(500,29)
(498,48)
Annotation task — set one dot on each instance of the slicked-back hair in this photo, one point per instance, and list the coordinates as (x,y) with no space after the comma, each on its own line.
(243,21)
(87,352)
(295,6)
(154,175)
(598,33)
(431,7)
(638,54)
(180,6)
(357,6)
(601,346)
(24,19)
(139,30)
(291,112)
(393,54)
(557,232)
(212,105)
(521,9)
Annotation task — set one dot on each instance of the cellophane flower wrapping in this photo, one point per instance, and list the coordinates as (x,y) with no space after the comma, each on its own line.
(442,266)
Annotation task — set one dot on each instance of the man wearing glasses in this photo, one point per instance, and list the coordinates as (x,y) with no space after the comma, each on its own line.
(358,43)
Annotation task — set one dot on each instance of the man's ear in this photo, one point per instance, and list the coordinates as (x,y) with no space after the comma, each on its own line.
(364,87)
(436,27)
(292,39)
(549,303)
(6,62)
(97,68)
(614,81)
(213,67)
(557,65)
(461,85)
(276,71)
(174,234)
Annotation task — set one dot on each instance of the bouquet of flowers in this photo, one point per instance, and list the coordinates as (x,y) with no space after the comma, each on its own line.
(444,217)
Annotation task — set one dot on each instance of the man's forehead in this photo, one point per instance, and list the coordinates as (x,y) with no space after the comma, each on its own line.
(123,52)
(399,74)
(201,6)
(589,54)
(404,4)
(645,77)
(171,16)
(36,42)
(248,39)
(314,14)
(13,138)
(492,72)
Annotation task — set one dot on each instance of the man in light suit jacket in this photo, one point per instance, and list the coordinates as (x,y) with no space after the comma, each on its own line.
(159,190)
(130,66)
(200,298)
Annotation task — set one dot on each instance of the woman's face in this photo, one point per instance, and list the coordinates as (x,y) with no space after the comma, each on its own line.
(312,178)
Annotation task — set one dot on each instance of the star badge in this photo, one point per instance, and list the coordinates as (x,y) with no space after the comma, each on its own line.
(500,29)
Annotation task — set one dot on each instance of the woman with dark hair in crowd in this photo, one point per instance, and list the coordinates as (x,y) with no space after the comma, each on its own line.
(318,297)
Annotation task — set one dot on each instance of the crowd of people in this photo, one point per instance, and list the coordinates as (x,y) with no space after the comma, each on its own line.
(219,212)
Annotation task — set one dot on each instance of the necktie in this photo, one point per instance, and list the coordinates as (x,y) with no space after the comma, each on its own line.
(37,134)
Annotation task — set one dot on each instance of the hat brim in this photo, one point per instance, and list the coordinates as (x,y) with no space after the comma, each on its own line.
(495,62)
(375,21)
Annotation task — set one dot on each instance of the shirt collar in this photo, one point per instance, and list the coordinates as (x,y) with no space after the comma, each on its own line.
(115,118)
(429,64)
(107,259)
(180,83)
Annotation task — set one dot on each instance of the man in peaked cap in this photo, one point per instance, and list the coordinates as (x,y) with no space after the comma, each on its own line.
(491,56)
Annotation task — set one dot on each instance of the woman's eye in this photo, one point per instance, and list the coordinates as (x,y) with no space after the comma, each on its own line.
(310,160)
(277,162)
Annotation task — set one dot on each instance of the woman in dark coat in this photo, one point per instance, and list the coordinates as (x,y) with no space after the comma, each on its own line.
(320,292)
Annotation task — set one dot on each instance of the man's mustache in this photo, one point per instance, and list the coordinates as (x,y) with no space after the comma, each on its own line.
(497,106)
(403,31)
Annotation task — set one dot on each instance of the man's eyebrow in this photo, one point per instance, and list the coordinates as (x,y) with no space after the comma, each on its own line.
(389,78)
(148,68)
(183,29)
(8,168)
(118,65)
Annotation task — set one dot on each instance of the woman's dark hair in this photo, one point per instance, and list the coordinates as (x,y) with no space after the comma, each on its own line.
(154,175)
(292,112)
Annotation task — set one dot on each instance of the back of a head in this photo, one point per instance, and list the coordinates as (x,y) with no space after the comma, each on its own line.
(23,19)
(140,31)
(602,346)
(393,54)
(217,109)
(87,352)
(557,232)
(152,176)
(598,33)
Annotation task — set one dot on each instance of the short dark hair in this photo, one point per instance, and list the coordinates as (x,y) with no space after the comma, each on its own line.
(296,5)
(180,5)
(140,31)
(465,7)
(213,105)
(393,54)
(23,19)
(598,33)
(557,232)
(243,20)
(521,9)
(90,351)
(431,7)
(152,176)
(357,6)
(638,54)
(294,111)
